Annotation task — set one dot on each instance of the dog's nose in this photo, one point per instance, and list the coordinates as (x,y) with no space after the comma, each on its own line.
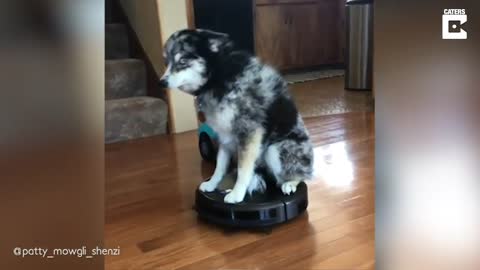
(163,83)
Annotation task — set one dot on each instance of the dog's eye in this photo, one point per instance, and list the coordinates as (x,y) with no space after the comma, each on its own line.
(182,61)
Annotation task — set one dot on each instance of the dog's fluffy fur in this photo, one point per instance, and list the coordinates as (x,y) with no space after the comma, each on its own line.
(247,104)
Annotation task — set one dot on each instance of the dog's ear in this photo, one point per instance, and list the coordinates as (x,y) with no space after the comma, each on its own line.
(217,42)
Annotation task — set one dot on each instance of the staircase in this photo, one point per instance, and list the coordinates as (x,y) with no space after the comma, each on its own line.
(129,112)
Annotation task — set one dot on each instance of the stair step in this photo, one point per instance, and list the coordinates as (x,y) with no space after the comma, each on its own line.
(116,41)
(132,118)
(125,78)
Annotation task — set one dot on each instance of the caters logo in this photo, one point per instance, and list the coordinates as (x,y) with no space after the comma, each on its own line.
(453,23)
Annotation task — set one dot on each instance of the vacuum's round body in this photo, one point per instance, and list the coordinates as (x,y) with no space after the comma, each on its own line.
(259,210)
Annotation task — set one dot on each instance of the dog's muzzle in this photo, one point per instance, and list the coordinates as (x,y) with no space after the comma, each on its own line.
(163,83)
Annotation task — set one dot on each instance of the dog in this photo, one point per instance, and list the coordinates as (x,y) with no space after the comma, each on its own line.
(248,105)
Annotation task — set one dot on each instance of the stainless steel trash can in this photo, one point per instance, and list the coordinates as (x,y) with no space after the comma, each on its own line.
(359,49)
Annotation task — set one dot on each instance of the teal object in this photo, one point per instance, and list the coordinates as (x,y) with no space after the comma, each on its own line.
(208,130)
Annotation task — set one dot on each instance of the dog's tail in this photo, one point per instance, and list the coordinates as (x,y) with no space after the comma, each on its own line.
(260,180)
(257,184)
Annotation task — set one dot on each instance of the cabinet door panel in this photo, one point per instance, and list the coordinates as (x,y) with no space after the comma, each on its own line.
(297,36)
(304,36)
(315,34)
(342,30)
(271,35)
(328,30)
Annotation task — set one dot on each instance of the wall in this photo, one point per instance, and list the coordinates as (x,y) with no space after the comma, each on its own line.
(154,21)
(143,16)
(173,17)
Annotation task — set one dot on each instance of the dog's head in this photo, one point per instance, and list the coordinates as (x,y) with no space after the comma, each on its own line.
(189,55)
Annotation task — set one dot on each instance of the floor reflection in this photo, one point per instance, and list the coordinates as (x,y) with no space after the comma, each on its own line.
(332,165)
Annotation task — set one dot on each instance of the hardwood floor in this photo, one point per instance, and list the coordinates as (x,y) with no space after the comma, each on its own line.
(150,192)
(328,96)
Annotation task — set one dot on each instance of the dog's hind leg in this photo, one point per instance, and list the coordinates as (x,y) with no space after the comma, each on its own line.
(290,163)
(290,186)
(272,159)
(223,160)
(248,153)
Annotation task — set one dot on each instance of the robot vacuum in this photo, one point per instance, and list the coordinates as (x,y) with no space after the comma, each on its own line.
(261,210)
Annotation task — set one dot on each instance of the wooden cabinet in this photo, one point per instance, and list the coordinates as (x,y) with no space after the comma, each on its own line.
(294,34)
(309,45)
(272,35)
(342,30)
(327,32)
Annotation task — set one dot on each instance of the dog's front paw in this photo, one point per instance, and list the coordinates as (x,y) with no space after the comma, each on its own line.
(234,197)
(207,186)
(289,187)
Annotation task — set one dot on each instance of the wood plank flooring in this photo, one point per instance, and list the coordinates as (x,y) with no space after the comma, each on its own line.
(328,96)
(150,192)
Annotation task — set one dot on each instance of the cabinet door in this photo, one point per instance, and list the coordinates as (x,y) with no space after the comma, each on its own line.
(328,31)
(272,35)
(304,35)
(314,36)
(342,30)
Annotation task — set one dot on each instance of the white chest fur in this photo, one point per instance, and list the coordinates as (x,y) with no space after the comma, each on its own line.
(221,120)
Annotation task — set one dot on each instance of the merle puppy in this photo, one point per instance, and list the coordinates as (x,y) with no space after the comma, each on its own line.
(248,105)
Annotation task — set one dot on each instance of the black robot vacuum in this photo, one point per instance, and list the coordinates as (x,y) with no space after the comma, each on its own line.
(260,210)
